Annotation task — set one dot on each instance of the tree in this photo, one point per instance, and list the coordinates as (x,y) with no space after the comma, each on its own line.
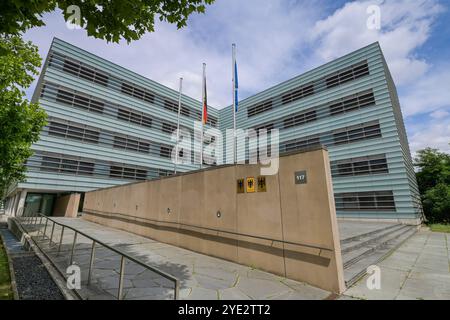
(436,203)
(111,20)
(105,19)
(433,168)
(433,178)
(20,121)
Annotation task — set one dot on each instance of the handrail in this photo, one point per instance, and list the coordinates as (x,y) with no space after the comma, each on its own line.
(92,259)
(214,230)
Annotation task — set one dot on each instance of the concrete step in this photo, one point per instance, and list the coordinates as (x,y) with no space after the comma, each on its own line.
(369,234)
(368,239)
(353,256)
(356,262)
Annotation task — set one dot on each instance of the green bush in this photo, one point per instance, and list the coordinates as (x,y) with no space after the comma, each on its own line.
(433,178)
(436,203)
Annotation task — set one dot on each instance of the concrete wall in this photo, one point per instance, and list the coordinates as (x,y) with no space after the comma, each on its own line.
(182,210)
(67,206)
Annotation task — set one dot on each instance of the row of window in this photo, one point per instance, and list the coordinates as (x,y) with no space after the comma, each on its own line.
(365,201)
(347,104)
(89,73)
(369,165)
(340,77)
(136,92)
(351,134)
(79,101)
(84,72)
(64,164)
(85,102)
(75,131)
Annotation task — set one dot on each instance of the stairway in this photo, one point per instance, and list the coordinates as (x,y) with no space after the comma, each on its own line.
(366,249)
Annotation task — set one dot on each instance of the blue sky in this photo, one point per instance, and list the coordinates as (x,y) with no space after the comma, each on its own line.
(279,39)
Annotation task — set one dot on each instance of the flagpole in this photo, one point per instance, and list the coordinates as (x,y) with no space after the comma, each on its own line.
(178,124)
(203,114)
(233,69)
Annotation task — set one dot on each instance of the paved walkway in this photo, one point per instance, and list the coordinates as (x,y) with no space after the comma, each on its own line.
(418,270)
(201,276)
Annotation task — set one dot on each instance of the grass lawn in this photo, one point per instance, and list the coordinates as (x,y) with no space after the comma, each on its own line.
(438,227)
(5,280)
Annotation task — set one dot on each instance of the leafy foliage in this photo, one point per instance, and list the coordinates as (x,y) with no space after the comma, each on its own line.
(436,203)
(110,20)
(20,120)
(433,179)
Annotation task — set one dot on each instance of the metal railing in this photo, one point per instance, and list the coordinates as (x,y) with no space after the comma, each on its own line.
(33,220)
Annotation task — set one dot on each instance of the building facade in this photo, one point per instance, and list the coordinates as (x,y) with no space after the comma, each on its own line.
(110,126)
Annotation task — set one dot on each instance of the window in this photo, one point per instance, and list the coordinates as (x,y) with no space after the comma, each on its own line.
(360,166)
(79,101)
(298,94)
(365,201)
(171,106)
(67,166)
(357,133)
(301,143)
(352,73)
(74,132)
(299,119)
(137,92)
(352,103)
(134,117)
(122,172)
(267,126)
(87,73)
(168,127)
(165,151)
(212,121)
(127,143)
(259,108)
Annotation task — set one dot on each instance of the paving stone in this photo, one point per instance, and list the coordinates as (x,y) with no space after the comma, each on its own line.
(144,283)
(426,289)
(305,290)
(257,274)
(113,283)
(149,293)
(217,273)
(212,283)
(232,294)
(391,281)
(261,289)
(200,276)
(198,293)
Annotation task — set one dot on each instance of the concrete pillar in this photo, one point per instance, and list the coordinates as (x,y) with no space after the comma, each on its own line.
(13,205)
(21,203)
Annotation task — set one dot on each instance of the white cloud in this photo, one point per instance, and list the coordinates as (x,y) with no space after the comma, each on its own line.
(439,114)
(434,133)
(429,93)
(405,26)
(266,33)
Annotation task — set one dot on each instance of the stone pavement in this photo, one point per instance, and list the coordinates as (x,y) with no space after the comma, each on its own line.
(201,276)
(418,270)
